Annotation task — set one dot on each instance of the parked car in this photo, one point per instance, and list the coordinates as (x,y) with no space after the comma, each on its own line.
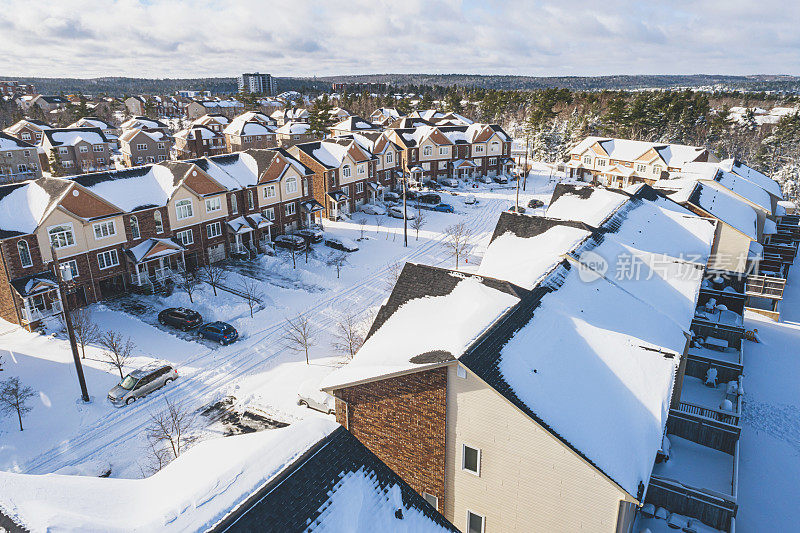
(390,196)
(449,182)
(310,235)
(220,332)
(470,199)
(140,383)
(484,179)
(180,317)
(310,395)
(411,194)
(433,185)
(397,212)
(429,198)
(290,242)
(443,208)
(339,243)
(373,209)
(515,209)
(533,204)
(501,179)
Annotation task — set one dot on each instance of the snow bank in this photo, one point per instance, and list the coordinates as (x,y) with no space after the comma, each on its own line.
(193,492)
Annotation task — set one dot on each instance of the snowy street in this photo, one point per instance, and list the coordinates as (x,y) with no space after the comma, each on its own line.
(256,373)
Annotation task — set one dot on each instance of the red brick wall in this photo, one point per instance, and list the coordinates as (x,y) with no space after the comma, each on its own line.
(402,421)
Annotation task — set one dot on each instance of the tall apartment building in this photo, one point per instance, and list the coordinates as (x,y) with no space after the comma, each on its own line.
(257,83)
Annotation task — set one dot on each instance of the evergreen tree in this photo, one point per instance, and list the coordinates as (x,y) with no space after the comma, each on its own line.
(319,117)
(56,168)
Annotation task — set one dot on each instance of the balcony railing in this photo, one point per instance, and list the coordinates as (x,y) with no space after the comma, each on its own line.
(765,286)
(33,314)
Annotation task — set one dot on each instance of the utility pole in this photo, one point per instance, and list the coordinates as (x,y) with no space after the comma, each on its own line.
(68,321)
(516,210)
(525,168)
(405,218)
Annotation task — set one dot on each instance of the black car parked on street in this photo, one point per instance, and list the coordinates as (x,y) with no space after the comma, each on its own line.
(180,317)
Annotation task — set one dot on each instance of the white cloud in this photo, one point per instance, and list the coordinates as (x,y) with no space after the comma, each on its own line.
(177,38)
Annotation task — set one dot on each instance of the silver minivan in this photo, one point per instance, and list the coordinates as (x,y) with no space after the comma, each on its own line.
(140,383)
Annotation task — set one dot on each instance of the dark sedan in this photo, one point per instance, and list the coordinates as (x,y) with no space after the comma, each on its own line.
(290,242)
(534,204)
(312,236)
(180,317)
(220,332)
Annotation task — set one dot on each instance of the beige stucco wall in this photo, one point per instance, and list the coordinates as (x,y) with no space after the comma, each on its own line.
(529,481)
(730,249)
(198,208)
(83,234)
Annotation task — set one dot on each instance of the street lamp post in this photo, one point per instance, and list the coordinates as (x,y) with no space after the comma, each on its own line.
(405,218)
(68,321)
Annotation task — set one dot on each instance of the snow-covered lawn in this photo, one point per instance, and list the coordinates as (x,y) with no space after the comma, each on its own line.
(257,372)
(769,448)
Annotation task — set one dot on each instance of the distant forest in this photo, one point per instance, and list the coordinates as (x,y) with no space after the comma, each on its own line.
(115,86)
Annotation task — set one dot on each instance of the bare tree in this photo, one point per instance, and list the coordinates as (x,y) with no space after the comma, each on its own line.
(337,260)
(299,334)
(14,398)
(86,331)
(393,271)
(291,252)
(251,292)
(213,274)
(380,220)
(418,222)
(188,284)
(169,429)
(362,223)
(457,241)
(117,349)
(347,337)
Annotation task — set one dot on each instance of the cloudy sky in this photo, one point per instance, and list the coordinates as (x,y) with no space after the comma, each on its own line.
(182,38)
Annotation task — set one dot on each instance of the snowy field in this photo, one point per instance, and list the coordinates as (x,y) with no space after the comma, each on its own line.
(258,373)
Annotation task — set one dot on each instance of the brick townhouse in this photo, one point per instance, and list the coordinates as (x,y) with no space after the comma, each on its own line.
(387,157)
(198,141)
(242,134)
(79,150)
(144,123)
(344,174)
(28,130)
(214,121)
(19,160)
(133,229)
(463,152)
(109,130)
(140,147)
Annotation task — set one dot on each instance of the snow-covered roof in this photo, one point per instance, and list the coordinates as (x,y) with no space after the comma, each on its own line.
(197,131)
(716,174)
(354,123)
(724,206)
(754,176)
(7,142)
(252,127)
(439,335)
(73,136)
(91,122)
(590,205)
(132,189)
(294,128)
(233,171)
(153,248)
(142,122)
(156,135)
(24,205)
(675,155)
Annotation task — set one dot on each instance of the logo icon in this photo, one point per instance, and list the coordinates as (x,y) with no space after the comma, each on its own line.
(591,266)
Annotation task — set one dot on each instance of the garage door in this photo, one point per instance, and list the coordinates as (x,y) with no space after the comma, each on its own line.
(216,253)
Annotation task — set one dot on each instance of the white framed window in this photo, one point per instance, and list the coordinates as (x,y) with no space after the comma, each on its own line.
(26,136)
(359,187)
(159,223)
(291,185)
(431,499)
(185,237)
(24,254)
(83,149)
(461,372)
(471,459)
(61,236)
(102,160)
(162,158)
(160,146)
(427,150)
(442,165)
(183,209)
(213,204)
(214,230)
(67,164)
(492,161)
(250,200)
(601,162)
(27,153)
(269,213)
(346,171)
(107,259)
(360,169)
(38,136)
(104,229)
(98,147)
(641,168)
(290,209)
(72,265)
(477,161)
(475,523)
(234,204)
(63,151)
(22,168)
(135,227)
(657,170)
(141,147)
(478,148)
(426,166)
(269,191)
(495,145)
(443,150)
(389,157)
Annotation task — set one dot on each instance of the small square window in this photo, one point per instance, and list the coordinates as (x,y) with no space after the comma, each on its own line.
(461,372)
(471,459)
(431,499)
(475,523)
